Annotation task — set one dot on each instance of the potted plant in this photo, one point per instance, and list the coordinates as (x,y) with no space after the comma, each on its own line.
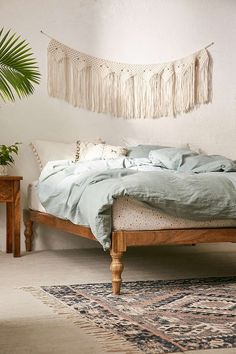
(6,156)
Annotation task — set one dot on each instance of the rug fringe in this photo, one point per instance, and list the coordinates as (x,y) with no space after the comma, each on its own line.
(110,342)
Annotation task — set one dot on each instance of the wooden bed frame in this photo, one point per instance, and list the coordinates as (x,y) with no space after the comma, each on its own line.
(121,239)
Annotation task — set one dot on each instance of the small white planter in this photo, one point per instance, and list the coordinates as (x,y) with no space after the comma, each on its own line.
(3,170)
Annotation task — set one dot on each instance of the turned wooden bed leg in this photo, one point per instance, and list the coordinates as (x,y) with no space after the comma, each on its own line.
(116,270)
(117,248)
(28,230)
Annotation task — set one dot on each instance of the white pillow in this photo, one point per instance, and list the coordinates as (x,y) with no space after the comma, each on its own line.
(45,151)
(195,148)
(127,141)
(89,151)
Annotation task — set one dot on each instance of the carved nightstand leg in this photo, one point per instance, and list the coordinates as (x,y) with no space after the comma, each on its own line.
(116,269)
(28,230)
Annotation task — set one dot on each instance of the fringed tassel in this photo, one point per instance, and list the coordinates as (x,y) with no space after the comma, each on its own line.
(155,97)
(107,92)
(125,95)
(184,87)
(57,75)
(138,96)
(167,92)
(203,77)
(145,94)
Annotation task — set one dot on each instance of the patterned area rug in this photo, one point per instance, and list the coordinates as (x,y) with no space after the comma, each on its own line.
(153,316)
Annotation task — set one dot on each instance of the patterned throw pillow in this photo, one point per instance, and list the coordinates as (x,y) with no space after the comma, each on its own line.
(90,151)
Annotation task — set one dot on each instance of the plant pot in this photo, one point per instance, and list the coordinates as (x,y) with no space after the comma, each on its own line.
(3,170)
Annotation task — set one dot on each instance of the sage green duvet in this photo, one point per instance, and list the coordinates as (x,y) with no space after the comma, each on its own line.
(176,181)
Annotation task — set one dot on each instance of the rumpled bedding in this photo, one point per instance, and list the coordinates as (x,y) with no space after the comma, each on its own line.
(176,181)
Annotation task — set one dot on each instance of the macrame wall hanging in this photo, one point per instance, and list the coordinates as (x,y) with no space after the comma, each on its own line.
(129,90)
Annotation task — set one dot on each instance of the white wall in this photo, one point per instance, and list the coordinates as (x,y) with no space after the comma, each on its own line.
(132,31)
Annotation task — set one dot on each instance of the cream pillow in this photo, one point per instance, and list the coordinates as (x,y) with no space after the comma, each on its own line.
(45,151)
(90,151)
(195,148)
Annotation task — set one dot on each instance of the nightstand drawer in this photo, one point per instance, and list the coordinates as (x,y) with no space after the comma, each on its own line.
(6,191)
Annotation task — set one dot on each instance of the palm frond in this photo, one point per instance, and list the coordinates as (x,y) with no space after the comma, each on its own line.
(18,68)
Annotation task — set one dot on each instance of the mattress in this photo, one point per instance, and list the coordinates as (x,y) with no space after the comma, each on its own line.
(130,214)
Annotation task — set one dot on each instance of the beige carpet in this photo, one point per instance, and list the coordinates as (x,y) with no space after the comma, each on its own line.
(29,327)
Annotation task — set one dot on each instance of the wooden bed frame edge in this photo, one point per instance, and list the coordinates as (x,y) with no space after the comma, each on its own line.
(121,239)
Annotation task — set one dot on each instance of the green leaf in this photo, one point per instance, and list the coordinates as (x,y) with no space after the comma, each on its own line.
(18,68)
(7,152)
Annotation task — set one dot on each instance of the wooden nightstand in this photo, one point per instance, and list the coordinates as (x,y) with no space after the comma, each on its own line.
(10,194)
